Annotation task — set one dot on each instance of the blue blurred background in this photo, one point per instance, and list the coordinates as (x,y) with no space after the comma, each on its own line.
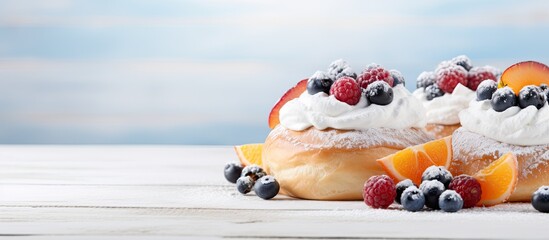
(209,71)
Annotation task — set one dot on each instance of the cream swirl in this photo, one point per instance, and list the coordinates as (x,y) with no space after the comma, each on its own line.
(322,111)
(445,109)
(524,127)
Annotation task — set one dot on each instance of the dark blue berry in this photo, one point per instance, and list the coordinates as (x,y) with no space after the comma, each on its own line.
(433,91)
(266,187)
(503,99)
(426,79)
(439,173)
(337,66)
(397,77)
(463,61)
(380,93)
(486,89)
(319,82)
(412,199)
(232,171)
(431,190)
(543,87)
(400,187)
(540,199)
(531,96)
(347,72)
(254,171)
(450,201)
(244,184)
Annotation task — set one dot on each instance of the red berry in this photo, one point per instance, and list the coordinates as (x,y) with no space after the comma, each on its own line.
(379,191)
(468,188)
(374,73)
(346,90)
(478,74)
(449,75)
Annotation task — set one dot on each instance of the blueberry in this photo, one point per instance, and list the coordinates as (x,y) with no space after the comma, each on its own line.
(431,190)
(244,184)
(254,171)
(543,87)
(540,199)
(503,99)
(232,172)
(380,93)
(319,82)
(397,77)
(486,89)
(463,61)
(412,199)
(426,79)
(439,173)
(531,96)
(450,201)
(337,67)
(347,72)
(433,91)
(266,187)
(401,186)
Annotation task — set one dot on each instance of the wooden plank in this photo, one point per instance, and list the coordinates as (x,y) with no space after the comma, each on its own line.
(151,192)
(362,223)
(128,165)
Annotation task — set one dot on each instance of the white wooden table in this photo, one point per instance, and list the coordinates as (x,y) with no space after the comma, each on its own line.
(164,192)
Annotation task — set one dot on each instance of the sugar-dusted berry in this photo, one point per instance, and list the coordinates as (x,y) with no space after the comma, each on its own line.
(379,191)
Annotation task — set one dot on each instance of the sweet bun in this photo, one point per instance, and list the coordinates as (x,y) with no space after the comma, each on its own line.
(440,131)
(472,152)
(331,164)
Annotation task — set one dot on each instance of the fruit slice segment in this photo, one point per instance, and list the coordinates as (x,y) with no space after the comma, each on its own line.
(498,180)
(292,93)
(249,154)
(524,73)
(411,162)
(440,151)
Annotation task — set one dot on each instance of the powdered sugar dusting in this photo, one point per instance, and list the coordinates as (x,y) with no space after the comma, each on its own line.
(368,138)
(468,146)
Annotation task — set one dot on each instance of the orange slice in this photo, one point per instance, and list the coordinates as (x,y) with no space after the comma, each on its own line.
(498,180)
(411,162)
(249,154)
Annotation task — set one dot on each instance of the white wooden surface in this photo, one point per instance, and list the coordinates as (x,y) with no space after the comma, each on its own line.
(165,192)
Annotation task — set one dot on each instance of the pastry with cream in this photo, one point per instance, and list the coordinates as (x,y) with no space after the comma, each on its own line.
(512,116)
(329,130)
(448,90)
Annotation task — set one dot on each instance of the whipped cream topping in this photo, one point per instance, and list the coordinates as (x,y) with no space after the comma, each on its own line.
(445,109)
(322,111)
(524,127)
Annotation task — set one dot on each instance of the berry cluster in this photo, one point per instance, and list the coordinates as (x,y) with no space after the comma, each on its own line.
(375,83)
(438,190)
(503,98)
(252,178)
(449,74)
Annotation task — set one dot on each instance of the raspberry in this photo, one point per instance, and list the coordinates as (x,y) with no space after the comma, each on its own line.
(346,90)
(379,191)
(478,74)
(468,188)
(374,73)
(449,75)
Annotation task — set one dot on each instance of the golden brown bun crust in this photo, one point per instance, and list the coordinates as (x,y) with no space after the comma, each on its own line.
(440,131)
(331,164)
(473,152)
